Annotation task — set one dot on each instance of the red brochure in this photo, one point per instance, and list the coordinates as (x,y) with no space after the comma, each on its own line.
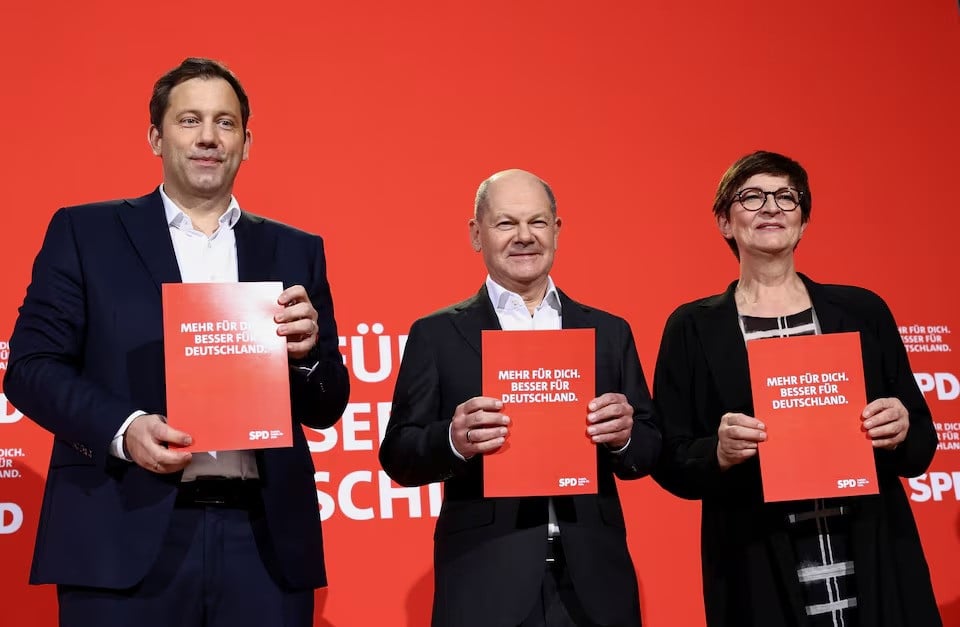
(545,380)
(809,392)
(228,378)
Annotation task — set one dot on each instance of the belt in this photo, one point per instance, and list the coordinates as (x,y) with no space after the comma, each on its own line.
(219,492)
(555,556)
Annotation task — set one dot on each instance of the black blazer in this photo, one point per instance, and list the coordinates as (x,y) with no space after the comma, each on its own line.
(87,351)
(749,576)
(489,552)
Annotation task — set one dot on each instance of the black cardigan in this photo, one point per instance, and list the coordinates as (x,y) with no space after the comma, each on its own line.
(749,576)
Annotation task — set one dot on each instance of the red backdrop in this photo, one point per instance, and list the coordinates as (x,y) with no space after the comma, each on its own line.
(373,124)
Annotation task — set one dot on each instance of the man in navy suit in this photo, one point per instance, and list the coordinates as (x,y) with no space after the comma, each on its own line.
(134,531)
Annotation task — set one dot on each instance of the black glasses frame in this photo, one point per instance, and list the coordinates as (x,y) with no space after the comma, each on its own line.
(799,193)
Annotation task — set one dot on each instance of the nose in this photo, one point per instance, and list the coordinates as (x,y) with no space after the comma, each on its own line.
(524,233)
(208,134)
(770,205)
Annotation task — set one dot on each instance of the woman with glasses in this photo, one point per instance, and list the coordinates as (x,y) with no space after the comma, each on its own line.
(840,562)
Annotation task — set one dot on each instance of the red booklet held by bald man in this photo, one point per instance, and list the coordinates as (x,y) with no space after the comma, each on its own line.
(545,380)
(227,372)
(809,391)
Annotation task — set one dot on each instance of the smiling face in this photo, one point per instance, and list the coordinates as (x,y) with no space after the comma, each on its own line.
(767,231)
(202,141)
(517,232)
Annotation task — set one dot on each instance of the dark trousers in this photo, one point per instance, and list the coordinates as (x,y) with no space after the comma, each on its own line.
(558,605)
(214,571)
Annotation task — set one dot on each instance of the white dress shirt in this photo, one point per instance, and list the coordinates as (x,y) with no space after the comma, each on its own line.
(202,259)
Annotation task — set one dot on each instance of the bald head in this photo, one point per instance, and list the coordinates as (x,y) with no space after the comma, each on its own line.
(513,177)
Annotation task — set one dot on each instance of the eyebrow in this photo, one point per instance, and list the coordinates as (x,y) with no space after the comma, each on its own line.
(199,113)
(497,215)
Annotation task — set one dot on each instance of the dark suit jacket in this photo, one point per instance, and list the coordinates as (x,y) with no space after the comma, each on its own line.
(87,351)
(749,576)
(489,552)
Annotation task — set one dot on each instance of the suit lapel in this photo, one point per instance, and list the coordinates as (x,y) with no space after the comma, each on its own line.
(473,316)
(573,315)
(829,315)
(255,255)
(256,246)
(725,350)
(146,225)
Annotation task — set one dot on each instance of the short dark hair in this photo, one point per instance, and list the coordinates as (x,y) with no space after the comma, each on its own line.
(194,67)
(760,162)
(482,201)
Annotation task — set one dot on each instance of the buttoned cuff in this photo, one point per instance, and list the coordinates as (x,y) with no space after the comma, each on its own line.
(622,448)
(117,448)
(307,371)
(452,447)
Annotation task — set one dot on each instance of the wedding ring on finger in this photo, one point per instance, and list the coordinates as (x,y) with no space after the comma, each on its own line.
(468,436)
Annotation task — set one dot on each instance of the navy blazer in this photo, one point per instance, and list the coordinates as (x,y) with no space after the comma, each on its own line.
(749,571)
(87,351)
(489,555)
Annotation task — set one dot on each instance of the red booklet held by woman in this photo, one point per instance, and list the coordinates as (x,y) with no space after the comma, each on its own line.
(809,392)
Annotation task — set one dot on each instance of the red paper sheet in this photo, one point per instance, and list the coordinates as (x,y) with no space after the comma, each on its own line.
(545,379)
(227,372)
(809,392)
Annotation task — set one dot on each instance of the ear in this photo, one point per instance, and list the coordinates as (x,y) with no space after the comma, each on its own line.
(556,234)
(154,139)
(723,223)
(803,227)
(247,142)
(474,227)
